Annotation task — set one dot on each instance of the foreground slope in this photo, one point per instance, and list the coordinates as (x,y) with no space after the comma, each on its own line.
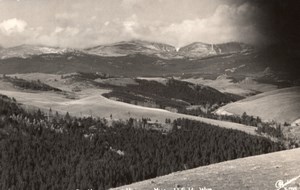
(281,105)
(252,173)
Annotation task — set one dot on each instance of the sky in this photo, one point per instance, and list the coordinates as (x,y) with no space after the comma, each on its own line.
(81,24)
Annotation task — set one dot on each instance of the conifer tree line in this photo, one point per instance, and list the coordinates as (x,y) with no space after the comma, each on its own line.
(64,152)
(30,85)
(178,95)
(271,128)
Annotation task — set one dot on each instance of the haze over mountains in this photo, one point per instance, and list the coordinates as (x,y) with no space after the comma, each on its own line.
(194,50)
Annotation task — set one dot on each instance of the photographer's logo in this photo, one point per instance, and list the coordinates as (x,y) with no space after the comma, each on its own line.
(281,185)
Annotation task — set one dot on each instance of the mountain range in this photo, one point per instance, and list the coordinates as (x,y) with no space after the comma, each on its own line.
(144,58)
(124,48)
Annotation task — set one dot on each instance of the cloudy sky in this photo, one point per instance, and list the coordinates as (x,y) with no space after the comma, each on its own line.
(78,23)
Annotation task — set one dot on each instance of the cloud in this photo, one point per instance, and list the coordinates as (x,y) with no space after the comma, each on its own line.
(15,32)
(163,21)
(228,23)
(11,26)
(66,16)
(130,26)
(68,31)
(130,3)
(60,36)
(58,30)
(71,31)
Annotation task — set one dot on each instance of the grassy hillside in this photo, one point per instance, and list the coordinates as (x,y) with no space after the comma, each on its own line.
(243,87)
(281,105)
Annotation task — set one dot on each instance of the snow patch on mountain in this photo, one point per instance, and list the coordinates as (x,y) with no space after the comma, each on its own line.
(25,51)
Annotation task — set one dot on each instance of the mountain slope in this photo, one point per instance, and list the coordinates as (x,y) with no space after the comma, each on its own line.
(252,173)
(133,47)
(232,47)
(199,49)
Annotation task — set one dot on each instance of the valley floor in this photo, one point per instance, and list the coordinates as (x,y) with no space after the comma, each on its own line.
(91,102)
(252,173)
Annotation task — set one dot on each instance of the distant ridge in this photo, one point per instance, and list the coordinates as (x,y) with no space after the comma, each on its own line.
(25,51)
(124,48)
(199,49)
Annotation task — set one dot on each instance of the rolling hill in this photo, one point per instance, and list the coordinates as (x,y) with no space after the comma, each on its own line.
(282,105)
(90,101)
(246,87)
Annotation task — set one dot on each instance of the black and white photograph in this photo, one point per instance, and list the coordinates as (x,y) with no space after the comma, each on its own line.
(149,95)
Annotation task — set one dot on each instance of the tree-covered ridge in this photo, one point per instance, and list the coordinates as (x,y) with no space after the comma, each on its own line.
(42,152)
(176,94)
(30,85)
(271,128)
(9,106)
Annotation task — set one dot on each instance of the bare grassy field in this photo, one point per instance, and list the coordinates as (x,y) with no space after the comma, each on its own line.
(281,105)
(243,88)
